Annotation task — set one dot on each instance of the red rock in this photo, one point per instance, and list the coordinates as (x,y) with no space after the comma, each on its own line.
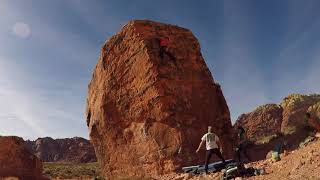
(145,114)
(17,161)
(264,121)
(314,121)
(314,110)
(295,107)
(288,117)
(77,150)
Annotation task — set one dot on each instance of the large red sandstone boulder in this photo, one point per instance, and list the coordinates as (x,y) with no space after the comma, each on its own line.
(262,122)
(145,114)
(295,107)
(77,150)
(17,161)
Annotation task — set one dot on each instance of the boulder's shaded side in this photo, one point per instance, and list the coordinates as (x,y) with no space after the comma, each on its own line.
(17,161)
(77,150)
(145,114)
(295,107)
(264,121)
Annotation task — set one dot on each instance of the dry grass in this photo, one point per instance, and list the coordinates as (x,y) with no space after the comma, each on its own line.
(133,178)
(266,139)
(71,170)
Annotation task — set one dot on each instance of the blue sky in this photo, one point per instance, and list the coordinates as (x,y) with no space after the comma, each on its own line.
(259,51)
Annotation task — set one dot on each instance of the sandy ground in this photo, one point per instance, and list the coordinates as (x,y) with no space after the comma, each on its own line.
(301,164)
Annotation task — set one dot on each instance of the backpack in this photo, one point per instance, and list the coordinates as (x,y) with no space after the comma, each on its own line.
(232,170)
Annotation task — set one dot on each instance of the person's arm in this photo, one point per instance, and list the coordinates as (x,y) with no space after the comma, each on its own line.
(243,139)
(200,145)
(219,144)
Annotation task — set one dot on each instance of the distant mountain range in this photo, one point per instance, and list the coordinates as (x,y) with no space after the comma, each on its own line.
(75,149)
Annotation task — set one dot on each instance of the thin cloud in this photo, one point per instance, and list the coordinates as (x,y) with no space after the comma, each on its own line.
(14,103)
(39,109)
(242,80)
(296,67)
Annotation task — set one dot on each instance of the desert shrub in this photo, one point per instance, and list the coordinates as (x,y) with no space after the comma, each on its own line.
(289,130)
(133,178)
(70,170)
(266,139)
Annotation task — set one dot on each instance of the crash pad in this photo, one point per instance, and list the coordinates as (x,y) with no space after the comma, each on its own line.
(212,167)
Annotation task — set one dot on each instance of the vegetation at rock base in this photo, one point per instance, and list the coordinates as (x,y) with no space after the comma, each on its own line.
(289,130)
(133,178)
(266,139)
(70,170)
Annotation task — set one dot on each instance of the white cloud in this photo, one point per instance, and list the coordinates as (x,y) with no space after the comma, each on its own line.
(21,30)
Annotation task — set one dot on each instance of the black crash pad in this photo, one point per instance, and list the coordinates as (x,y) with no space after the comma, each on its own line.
(212,167)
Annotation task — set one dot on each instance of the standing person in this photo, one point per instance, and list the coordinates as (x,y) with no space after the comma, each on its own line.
(212,141)
(242,144)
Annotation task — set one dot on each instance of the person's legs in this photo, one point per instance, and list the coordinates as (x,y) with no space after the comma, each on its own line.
(164,50)
(239,153)
(218,153)
(171,56)
(245,152)
(161,52)
(236,154)
(208,156)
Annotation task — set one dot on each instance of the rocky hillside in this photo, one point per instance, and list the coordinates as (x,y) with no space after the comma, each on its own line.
(285,118)
(146,113)
(264,121)
(17,161)
(302,163)
(65,150)
(295,107)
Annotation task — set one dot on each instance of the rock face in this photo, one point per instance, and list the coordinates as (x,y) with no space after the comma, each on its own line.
(74,149)
(315,109)
(146,114)
(17,161)
(295,107)
(264,121)
(286,118)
